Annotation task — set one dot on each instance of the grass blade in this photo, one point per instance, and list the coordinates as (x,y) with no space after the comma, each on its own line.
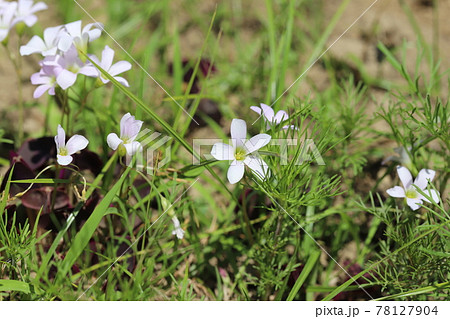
(304,274)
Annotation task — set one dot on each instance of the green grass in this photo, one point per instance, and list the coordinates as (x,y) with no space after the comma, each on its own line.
(256,240)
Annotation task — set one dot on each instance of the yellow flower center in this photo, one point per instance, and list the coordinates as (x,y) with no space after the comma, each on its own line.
(240,154)
(411,193)
(63,151)
(122,150)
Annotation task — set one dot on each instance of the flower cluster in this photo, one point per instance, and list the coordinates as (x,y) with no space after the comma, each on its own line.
(129,129)
(17,13)
(64,49)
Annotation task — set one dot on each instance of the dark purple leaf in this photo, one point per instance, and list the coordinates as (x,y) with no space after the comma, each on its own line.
(42,197)
(37,152)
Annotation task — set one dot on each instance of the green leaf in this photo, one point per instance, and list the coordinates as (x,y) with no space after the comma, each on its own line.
(84,235)
(304,274)
(14,285)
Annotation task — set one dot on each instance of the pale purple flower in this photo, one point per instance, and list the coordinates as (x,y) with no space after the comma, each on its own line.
(68,66)
(409,189)
(178,231)
(129,129)
(113,70)
(271,118)
(64,151)
(7,12)
(240,152)
(47,46)
(26,10)
(46,79)
(73,34)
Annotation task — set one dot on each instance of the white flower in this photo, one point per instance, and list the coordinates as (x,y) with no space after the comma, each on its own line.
(46,79)
(73,34)
(113,70)
(271,118)
(26,10)
(178,231)
(74,144)
(68,66)
(47,46)
(409,190)
(240,152)
(7,12)
(129,129)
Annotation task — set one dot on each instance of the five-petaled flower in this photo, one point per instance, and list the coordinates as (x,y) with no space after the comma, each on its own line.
(129,129)
(240,152)
(74,35)
(271,118)
(65,150)
(409,190)
(25,11)
(46,79)
(113,70)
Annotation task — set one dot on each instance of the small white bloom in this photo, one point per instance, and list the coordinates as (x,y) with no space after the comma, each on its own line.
(73,34)
(409,191)
(74,144)
(113,70)
(7,12)
(68,66)
(47,46)
(178,231)
(271,118)
(46,79)
(129,129)
(240,152)
(26,10)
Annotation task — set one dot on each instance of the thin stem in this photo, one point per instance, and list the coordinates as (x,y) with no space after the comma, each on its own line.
(246,219)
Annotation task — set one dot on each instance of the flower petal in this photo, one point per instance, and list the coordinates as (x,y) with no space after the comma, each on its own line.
(414,203)
(256,142)
(256,109)
(222,151)
(113,141)
(424,176)
(40,90)
(65,42)
(238,132)
(405,176)
(267,112)
(123,122)
(119,79)
(397,191)
(130,127)
(133,147)
(89,70)
(107,57)
(280,117)
(235,172)
(433,194)
(258,166)
(51,34)
(60,138)
(76,143)
(119,67)
(64,160)
(66,79)
(74,28)
(35,45)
